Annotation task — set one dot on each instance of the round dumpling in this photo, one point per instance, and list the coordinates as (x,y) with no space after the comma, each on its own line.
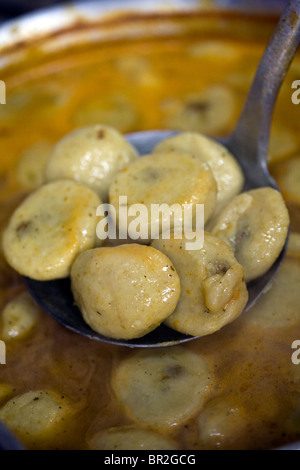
(209,111)
(213,289)
(125,291)
(222,424)
(162,387)
(111,110)
(50,227)
(255,225)
(36,416)
(19,317)
(283,143)
(31,166)
(226,170)
(212,49)
(128,438)
(287,175)
(167,178)
(92,155)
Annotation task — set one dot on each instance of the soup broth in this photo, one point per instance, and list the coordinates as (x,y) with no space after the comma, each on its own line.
(250,397)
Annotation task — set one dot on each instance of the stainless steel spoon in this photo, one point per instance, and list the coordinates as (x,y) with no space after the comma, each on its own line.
(248,143)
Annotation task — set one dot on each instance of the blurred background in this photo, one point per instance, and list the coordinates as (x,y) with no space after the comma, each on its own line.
(13,8)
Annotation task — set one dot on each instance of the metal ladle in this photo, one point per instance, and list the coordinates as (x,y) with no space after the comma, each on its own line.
(248,143)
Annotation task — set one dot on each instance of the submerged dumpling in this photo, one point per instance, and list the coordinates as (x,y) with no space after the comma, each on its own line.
(268,311)
(19,317)
(92,155)
(124,291)
(37,416)
(209,111)
(162,387)
(129,438)
(5,391)
(213,289)
(222,424)
(287,174)
(50,228)
(31,166)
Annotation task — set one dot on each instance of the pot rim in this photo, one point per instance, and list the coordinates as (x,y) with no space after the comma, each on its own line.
(43,22)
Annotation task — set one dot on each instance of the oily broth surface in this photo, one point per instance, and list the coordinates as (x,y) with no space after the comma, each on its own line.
(250,363)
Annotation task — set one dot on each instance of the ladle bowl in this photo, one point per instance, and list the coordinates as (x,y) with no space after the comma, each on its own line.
(249,144)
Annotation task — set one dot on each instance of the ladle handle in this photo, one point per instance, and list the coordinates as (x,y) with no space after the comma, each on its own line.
(250,139)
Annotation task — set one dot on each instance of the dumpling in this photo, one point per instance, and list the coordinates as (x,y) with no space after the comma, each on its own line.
(164,387)
(213,289)
(255,226)
(92,155)
(50,228)
(124,291)
(168,178)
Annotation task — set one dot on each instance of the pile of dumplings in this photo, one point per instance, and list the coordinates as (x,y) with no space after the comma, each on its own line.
(127,288)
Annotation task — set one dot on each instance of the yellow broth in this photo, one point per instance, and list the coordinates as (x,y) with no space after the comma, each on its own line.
(133,85)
